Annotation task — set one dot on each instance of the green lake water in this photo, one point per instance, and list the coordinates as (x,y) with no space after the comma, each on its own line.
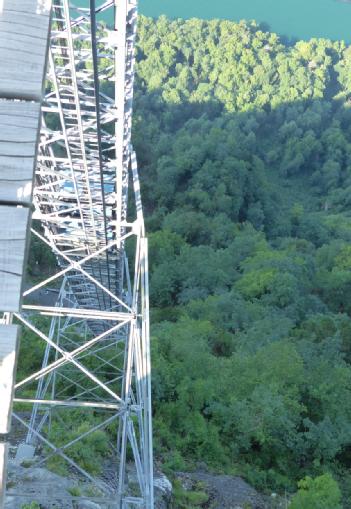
(302,19)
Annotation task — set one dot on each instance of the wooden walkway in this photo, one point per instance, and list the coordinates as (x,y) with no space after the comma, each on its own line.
(24,35)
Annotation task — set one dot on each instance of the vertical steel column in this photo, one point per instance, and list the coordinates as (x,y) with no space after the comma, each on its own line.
(81,198)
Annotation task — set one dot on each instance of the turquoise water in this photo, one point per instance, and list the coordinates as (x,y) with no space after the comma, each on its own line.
(296,18)
(302,19)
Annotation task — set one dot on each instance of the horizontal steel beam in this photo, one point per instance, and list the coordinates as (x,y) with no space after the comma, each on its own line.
(70,403)
(91,314)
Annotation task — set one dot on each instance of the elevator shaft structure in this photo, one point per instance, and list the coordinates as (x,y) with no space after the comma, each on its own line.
(87,199)
(85,149)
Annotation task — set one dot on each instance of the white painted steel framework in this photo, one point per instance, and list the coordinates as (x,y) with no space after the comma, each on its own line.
(97,353)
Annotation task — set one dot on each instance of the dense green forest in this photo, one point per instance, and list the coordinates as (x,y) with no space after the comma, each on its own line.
(244,146)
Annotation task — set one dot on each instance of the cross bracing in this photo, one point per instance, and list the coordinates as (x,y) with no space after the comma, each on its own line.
(96,356)
(79,203)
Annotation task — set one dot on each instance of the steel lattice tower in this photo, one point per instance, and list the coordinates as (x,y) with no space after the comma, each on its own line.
(96,336)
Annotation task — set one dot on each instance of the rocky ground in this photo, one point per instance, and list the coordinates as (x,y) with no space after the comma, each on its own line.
(228,492)
(27,484)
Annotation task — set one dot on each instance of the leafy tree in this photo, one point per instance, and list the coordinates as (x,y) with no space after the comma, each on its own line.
(319,493)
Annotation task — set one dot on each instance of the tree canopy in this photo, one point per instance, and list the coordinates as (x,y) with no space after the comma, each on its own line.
(244,144)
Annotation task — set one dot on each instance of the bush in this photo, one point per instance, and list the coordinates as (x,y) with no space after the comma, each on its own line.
(88,452)
(75,491)
(183,499)
(320,493)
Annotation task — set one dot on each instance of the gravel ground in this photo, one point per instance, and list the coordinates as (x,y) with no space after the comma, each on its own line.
(226,492)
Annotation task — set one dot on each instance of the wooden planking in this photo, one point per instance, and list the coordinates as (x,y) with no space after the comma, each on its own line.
(3,463)
(8,356)
(14,225)
(19,127)
(24,31)
(24,39)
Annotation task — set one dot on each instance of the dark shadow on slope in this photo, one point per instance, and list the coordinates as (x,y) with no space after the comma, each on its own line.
(252,166)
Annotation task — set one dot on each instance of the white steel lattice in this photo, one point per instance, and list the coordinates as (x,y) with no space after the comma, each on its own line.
(97,354)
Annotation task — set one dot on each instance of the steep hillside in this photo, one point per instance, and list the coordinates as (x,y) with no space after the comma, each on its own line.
(244,146)
(245,153)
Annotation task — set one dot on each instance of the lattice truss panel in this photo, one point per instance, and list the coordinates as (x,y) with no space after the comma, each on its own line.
(95,374)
